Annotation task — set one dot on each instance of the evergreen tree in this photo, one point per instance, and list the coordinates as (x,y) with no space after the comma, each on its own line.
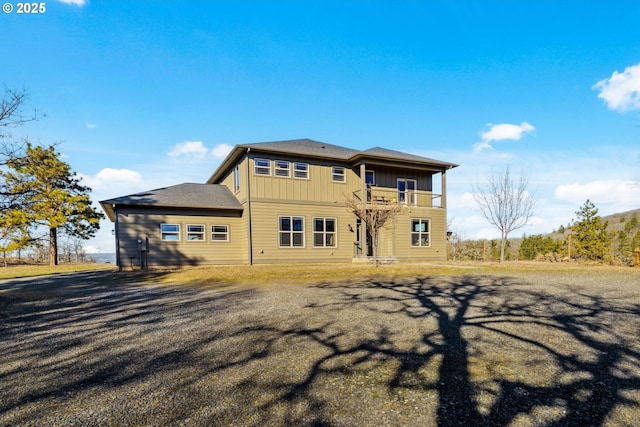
(590,236)
(51,197)
(538,244)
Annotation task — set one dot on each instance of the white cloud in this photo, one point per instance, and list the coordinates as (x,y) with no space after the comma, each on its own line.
(617,195)
(621,91)
(197,150)
(193,149)
(220,151)
(74,2)
(91,249)
(109,178)
(91,125)
(501,132)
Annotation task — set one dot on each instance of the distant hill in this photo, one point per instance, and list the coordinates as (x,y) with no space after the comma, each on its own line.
(617,222)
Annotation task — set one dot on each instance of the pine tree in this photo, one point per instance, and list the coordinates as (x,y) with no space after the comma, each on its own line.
(51,197)
(590,236)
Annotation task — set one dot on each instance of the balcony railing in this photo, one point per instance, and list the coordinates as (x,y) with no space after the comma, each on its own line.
(382,196)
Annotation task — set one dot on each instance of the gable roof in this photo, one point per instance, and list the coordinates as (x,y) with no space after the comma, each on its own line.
(321,150)
(304,147)
(188,195)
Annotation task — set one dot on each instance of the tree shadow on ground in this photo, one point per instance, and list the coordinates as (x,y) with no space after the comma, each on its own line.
(559,358)
(423,351)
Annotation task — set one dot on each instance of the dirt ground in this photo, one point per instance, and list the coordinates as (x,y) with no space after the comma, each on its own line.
(523,349)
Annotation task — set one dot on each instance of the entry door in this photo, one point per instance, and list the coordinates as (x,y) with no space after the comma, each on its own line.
(364,246)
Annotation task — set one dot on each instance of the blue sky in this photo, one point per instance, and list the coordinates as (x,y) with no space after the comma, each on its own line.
(143,94)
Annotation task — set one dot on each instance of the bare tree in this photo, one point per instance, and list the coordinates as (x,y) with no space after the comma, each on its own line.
(374,214)
(506,204)
(13,115)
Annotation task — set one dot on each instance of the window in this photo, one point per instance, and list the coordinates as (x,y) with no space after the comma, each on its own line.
(291,231)
(282,169)
(337,174)
(420,229)
(370,178)
(324,232)
(195,232)
(219,233)
(236,179)
(170,232)
(262,166)
(407,191)
(301,170)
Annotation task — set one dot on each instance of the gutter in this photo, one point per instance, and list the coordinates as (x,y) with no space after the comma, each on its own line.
(249,208)
(116,231)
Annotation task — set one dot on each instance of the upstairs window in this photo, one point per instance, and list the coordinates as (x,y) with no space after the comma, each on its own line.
(195,232)
(301,170)
(407,191)
(282,169)
(338,174)
(262,166)
(370,178)
(236,179)
(420,232)
(170,232)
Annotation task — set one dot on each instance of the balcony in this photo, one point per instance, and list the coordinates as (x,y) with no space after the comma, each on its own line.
(381,197)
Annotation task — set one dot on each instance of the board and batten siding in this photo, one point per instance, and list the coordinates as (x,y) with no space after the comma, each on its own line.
(144,224)
(317,188)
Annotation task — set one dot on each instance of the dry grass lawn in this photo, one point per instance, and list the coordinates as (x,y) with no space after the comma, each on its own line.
(342,345)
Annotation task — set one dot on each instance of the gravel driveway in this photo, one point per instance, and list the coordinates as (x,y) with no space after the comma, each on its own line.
(531,349)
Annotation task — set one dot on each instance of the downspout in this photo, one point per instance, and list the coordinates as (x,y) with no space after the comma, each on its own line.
(116,231)
(443,196)
(249,208)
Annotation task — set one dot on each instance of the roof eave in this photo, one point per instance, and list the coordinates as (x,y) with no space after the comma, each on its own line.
(109,206)
(231,159)
(433,165)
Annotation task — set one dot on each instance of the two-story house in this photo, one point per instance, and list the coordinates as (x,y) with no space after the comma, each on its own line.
(284,202)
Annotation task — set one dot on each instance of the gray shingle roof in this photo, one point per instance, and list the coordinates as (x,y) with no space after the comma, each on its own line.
(398,155)
(188,195)
(316,149)
(305,147)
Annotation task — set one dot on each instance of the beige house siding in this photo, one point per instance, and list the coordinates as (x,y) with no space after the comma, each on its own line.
(253,208)
(319,196)
(266,239)
(438,235)
(144,224)
(318,188)
(229,180)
